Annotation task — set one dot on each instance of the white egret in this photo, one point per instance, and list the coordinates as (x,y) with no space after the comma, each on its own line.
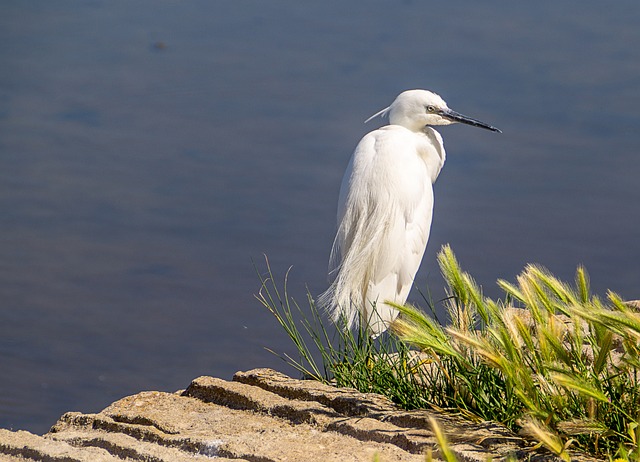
(385,209)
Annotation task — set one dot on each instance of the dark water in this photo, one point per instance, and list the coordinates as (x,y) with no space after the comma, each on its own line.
(150,150)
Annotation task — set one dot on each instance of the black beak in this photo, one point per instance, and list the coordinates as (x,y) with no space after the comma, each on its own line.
(457,117)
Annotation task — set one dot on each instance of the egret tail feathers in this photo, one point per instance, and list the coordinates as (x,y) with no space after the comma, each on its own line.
(375,316)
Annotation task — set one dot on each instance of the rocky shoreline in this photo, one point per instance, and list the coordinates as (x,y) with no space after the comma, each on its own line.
(261,416)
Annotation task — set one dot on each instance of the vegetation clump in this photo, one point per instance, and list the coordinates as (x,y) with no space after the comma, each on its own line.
(550,360)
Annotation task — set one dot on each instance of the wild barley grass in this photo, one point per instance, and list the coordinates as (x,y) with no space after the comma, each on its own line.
(550,360)
(560,364)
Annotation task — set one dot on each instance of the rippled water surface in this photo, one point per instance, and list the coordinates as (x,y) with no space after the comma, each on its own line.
(150,150)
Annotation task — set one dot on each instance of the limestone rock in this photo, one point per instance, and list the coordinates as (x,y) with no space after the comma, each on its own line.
(261,415)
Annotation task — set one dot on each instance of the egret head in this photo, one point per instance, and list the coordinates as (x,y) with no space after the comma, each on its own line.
(414,109)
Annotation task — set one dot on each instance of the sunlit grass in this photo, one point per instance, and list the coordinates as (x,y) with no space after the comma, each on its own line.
(562,364)
(550,360)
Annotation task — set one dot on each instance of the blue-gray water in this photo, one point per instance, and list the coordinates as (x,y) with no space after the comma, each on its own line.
(149,150)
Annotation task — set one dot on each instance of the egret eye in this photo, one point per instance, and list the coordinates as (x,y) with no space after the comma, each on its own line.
(431,109)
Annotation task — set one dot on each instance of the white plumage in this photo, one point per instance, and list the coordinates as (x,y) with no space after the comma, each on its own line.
(385,210)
